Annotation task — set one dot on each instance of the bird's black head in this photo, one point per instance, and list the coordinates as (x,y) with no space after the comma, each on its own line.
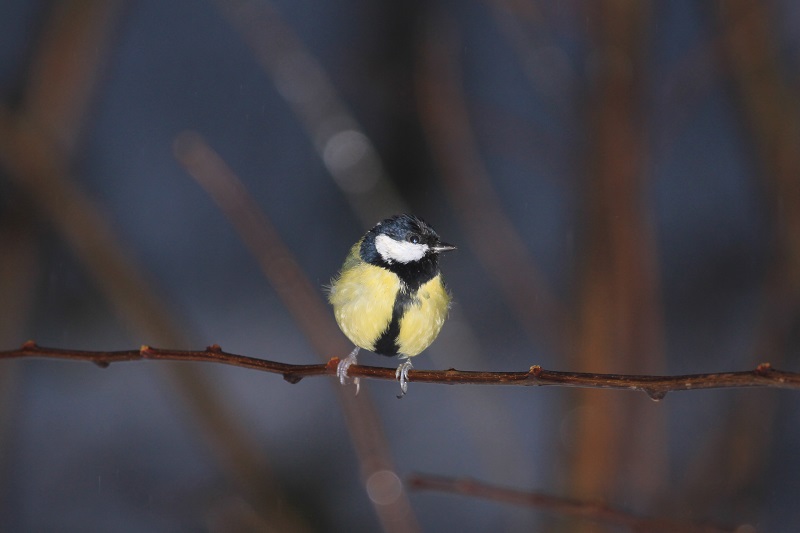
(407,246)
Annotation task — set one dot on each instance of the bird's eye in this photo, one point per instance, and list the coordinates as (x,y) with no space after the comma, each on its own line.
(413,238)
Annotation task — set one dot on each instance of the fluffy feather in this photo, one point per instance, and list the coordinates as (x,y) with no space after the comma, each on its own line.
(363,299)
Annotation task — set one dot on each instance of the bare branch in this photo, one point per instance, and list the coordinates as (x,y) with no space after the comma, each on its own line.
(656,387)
(594,511)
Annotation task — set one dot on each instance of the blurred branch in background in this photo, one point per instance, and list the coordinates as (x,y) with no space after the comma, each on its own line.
(619,307)
(546,66)
(596,512)
(19,269)
(338,138)
(492,237)
(468,187)
(36,147)
(309,311)
(656,387)
(769,108)
(73,49)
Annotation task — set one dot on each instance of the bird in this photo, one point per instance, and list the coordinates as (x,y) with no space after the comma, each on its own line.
(389,296)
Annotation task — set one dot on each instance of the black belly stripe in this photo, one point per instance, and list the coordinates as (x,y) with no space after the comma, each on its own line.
(387,342)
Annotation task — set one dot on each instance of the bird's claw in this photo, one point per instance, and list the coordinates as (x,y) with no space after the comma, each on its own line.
(344,366)
(402,376)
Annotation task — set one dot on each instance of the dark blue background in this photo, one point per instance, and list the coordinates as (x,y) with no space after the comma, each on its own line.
(117,449)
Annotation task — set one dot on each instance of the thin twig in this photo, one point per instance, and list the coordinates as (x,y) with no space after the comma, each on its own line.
(656,387)
(594,511)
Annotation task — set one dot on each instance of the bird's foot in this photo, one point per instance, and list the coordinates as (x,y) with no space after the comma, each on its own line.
(344,366)
(402,375)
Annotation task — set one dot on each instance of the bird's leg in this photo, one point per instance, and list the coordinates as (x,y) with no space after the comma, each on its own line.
(402,375)
(344,365)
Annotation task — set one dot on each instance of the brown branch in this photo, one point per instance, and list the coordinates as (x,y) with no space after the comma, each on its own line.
(594,511)
(656,387)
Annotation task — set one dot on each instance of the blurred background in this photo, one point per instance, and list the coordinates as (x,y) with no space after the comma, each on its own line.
(622,180)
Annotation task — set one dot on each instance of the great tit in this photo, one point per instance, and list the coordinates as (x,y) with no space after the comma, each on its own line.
(389,297)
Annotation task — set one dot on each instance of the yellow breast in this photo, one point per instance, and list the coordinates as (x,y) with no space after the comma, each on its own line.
(424,318)
(363,299)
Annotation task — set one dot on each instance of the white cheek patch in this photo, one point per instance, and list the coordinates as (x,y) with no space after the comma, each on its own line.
(393,251)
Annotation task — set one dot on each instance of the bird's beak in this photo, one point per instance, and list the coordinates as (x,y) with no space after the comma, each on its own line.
(442,247)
